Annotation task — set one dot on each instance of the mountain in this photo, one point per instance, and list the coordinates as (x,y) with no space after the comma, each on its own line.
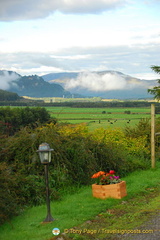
(62,75)
(32,86)
(105,84)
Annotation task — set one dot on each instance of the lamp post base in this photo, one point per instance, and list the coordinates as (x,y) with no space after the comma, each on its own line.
(49,218)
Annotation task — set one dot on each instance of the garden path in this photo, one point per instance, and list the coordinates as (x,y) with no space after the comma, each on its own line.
(150,230)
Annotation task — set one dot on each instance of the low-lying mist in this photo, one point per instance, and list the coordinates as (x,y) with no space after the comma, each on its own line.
(101,82)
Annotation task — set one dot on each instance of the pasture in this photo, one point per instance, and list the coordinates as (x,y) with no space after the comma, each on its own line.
(100,117)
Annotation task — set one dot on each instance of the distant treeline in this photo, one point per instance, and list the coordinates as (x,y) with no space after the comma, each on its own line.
(100,104)
(103,104)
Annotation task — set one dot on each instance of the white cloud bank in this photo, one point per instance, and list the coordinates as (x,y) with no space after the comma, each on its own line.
(100,82)
(96,82)
(6,80)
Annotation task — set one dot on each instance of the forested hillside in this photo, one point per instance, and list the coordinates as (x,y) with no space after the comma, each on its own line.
(8,96)
(32,86)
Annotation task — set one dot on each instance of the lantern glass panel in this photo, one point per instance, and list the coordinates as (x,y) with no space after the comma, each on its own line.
(45,157)
(44,153)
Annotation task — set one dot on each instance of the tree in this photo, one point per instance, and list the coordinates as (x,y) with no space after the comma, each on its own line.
(156,90)
(12,119)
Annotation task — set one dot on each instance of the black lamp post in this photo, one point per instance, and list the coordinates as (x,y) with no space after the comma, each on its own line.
(44,151)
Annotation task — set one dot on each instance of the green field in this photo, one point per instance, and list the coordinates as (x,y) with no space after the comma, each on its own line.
(100,117)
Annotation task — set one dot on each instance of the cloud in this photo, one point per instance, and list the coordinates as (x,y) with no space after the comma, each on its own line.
(28,63)
(28,9)
(89,6)
(132,60)
(104,81)
(72,57)
(6,80)
(95,82)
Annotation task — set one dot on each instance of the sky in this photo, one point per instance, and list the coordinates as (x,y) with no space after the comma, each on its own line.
(46,36)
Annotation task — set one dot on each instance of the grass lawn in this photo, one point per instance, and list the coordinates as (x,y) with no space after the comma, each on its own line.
(84,211)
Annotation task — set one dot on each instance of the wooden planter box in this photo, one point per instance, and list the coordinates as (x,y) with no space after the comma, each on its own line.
(117,190)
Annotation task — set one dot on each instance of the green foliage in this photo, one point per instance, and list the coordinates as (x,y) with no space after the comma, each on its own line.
(140,129)
(12,119)
(156,69)
(77,155)
(156,90)
(127,112)
(18,190)
(8,198)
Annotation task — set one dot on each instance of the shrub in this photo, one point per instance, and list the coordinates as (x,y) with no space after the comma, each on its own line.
(8,197)
(127,112)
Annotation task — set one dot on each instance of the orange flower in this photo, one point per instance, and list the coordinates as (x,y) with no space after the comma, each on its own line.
(101,173)
(98,174)
(105,178)
(107,174)
(94,175)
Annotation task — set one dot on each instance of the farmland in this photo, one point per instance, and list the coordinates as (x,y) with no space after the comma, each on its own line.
(100,117)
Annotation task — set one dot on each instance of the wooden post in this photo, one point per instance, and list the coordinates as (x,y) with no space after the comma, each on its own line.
(152,135)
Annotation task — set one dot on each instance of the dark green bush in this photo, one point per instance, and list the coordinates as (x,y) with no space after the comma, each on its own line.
(12,119)
(127,112)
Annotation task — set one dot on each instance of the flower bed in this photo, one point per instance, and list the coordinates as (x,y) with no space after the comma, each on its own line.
(108,185)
